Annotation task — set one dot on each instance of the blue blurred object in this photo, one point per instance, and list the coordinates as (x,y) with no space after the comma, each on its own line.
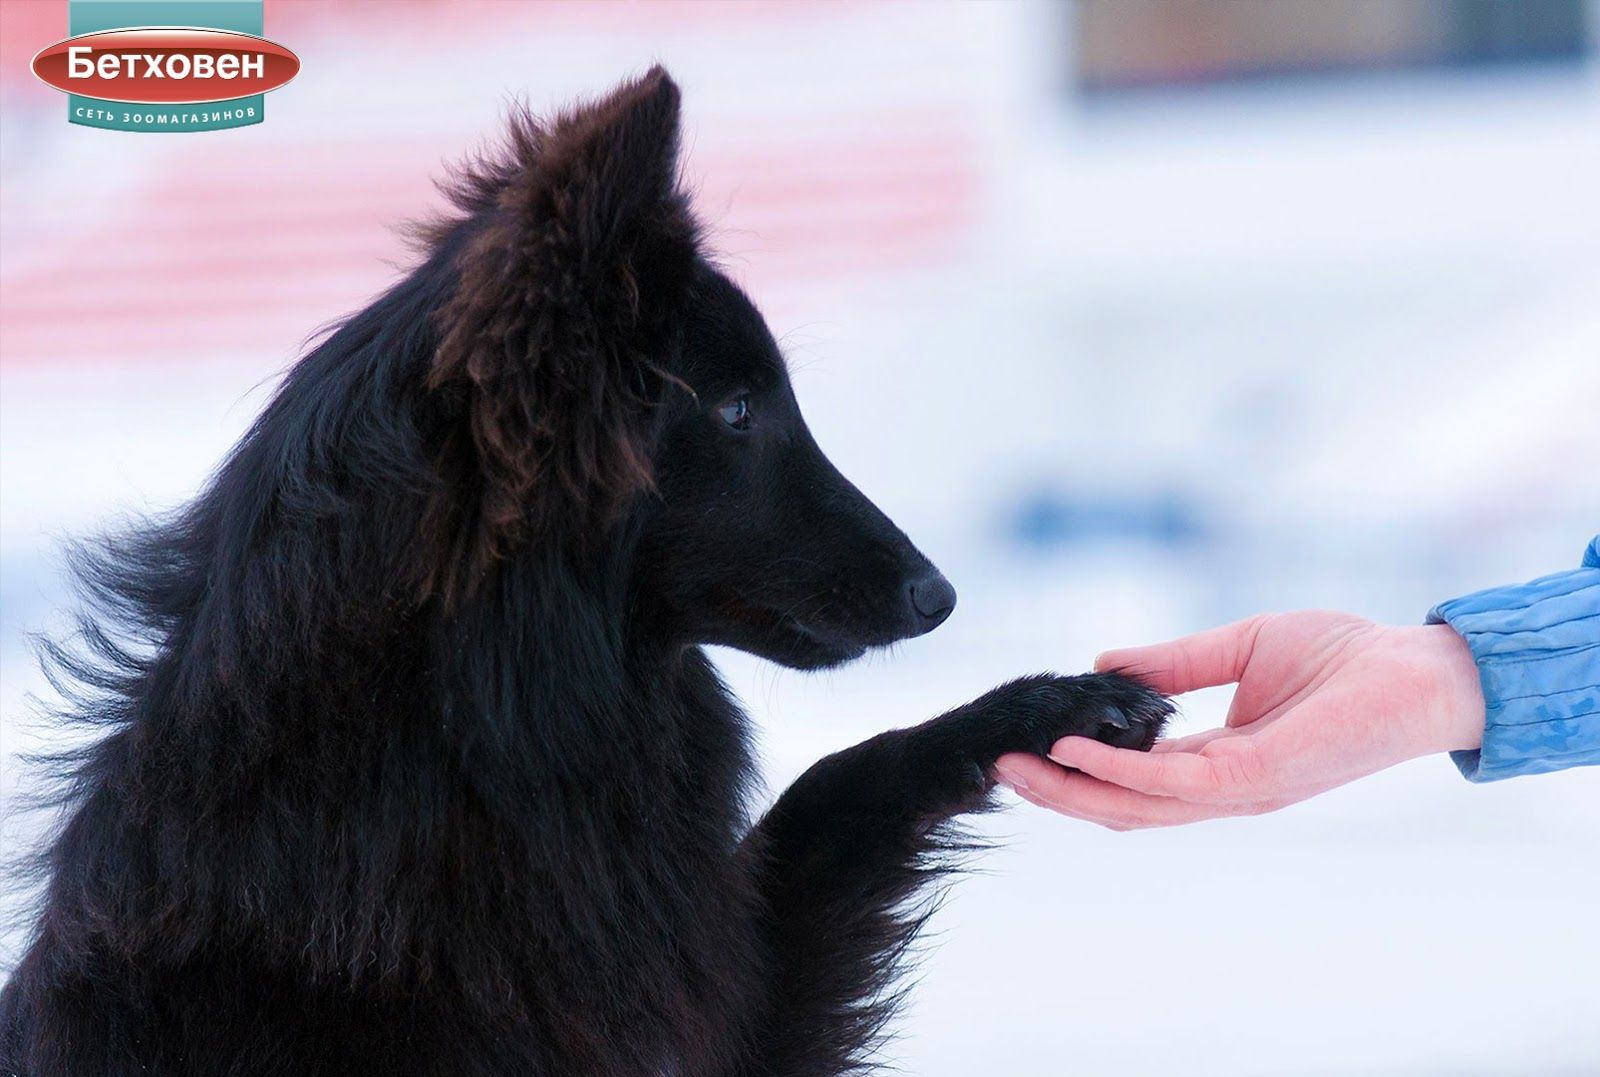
(1050,518)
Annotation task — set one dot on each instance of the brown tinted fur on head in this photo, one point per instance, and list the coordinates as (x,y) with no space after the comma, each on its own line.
(576,261)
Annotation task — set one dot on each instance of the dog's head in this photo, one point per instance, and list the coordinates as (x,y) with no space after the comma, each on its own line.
(754,538)
(609,384)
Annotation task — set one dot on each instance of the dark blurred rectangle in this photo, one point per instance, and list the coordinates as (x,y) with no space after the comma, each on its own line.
(1131,44)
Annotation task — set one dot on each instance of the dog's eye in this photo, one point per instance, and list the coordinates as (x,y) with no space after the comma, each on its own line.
(736,413)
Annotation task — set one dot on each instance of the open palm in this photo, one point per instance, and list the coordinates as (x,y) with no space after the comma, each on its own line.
(1323,698)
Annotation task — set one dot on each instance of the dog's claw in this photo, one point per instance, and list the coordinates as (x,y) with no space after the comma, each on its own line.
(1134,720)
(1112,715)
(976,776)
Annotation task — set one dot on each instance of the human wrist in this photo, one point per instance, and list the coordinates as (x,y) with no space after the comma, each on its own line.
(1458,689)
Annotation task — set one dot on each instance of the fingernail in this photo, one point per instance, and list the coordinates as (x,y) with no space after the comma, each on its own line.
(1009,778)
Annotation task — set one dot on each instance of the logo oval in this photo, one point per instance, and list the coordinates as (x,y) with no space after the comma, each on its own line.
(166,65)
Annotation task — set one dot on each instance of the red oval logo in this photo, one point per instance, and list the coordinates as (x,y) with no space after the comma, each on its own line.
(166,65)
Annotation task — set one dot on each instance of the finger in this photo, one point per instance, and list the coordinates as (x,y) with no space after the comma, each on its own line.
(1039,802)
(1222,778)
(1107,820)
(1203,660)
(1194,741)
(1078,795)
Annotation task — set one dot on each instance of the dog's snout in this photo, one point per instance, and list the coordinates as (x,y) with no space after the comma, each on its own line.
(932,598)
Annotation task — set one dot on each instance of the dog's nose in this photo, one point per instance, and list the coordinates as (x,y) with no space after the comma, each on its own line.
(932,598)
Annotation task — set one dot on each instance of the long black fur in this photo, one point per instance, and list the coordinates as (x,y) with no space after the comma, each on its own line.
(413,762)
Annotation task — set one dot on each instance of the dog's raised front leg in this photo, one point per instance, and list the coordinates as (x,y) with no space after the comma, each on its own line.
(846,848)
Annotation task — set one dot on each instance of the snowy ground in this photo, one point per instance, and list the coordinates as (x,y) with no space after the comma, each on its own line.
(1155,365)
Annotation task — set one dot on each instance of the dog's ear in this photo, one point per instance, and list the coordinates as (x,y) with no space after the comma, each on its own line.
(574,266)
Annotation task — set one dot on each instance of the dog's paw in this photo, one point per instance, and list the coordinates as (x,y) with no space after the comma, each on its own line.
(947,764)
(1031,714)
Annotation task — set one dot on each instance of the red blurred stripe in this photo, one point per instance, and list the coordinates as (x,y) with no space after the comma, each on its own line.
(244,250)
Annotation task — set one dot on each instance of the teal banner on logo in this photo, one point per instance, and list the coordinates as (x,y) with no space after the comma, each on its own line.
(92,16)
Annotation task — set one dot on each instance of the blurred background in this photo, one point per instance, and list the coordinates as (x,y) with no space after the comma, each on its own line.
(1138,315)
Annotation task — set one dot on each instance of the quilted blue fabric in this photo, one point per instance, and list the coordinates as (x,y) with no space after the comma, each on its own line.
(1537,646)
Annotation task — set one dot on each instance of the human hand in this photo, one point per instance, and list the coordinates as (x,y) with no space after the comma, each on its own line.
(1323,698)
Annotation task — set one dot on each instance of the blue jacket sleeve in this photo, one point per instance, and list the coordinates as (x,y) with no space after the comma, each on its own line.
(1537,646)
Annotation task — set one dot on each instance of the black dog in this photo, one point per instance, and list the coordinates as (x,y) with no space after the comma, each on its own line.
(415,764)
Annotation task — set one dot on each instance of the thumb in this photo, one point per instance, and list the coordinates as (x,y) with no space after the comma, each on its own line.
(1203,660)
